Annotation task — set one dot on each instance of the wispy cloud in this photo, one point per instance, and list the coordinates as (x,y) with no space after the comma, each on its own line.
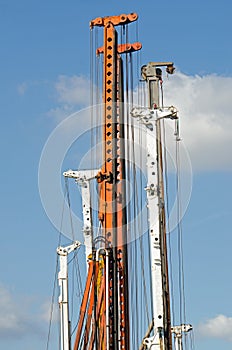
(205,118)
(59,113)
(218,327)
(19,317)
(49,311)
(72,93)
(12,319)
(21,88)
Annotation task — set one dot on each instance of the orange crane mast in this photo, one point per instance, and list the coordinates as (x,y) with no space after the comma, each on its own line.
(106,293)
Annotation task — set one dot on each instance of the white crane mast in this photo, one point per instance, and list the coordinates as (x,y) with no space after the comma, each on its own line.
(83,178)
(63,298)
(150,117)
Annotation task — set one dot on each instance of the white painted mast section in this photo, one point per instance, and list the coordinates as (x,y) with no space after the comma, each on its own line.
(83,178)
(154,232)
(63,298)
(150,118)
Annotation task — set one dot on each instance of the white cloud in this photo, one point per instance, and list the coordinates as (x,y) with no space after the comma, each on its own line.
(60,113)
(217,327)
(72,94)
(204,110)
(73,90)
(204,105)
(19,317)
(12,317)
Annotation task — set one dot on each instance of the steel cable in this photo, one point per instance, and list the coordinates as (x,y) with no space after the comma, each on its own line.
(168,223)
(56,272)
(182,303)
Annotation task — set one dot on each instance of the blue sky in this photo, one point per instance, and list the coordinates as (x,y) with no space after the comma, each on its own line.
(44,57)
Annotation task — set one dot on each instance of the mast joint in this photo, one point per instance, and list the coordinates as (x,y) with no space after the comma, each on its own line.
(108,177)
(122,48)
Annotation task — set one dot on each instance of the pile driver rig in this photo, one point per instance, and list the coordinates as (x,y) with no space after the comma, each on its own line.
(104,319)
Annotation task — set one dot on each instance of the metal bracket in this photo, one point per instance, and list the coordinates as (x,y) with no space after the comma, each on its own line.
(64,251)
(146,115)
(150,70)
(154,342)
(81,176)
(152,191)
(183,328)
(123,48)
(178,334)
